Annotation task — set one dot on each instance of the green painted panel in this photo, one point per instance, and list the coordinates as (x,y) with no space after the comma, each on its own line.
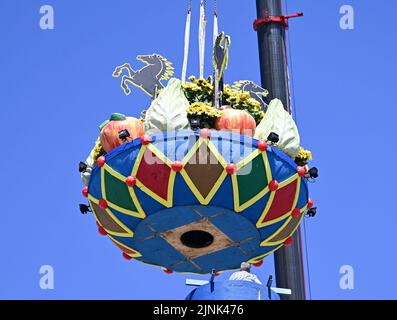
(251,179)
(117,192)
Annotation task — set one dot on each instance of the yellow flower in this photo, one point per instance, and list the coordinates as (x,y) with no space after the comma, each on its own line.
(208,86)
(304,154)
(98,150)
(254,102)
(260,115)
(232,99)
(245,95)
(202,90)
(201,108)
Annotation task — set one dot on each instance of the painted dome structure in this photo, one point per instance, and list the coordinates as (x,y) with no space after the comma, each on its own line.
(193,201)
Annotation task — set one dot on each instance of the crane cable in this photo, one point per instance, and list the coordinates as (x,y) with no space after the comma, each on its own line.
(202,31)
(202,35)
(187,41)
(293,103)
(216,27)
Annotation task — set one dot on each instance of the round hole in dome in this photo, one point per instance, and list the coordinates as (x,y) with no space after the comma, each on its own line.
(197,239)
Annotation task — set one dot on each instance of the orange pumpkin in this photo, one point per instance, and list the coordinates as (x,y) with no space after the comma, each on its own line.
(118,122)
(236,120)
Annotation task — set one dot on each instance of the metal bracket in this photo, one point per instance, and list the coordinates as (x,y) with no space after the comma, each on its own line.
(283,20)
(279,291)
(198,283)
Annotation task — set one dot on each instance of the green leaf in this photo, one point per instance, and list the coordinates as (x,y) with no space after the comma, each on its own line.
(103,124)
(117,117)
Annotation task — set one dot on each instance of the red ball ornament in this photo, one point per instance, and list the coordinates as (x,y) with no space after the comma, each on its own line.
(145,139)
(102,231)
(168,271)
(288,242)
(273,185)
(101,161)
(296,213)
(301,171)
(205,133)
(258,264)
(126,256)
(310,203)
(103,204)
(130,181)
(85,191)
(177,166)
(262,145)
(231,168)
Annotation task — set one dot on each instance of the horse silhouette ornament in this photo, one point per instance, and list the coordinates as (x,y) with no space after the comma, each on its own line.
(256,92)
(148,79)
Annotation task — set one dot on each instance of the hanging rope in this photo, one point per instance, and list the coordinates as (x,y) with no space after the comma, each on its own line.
(216,28)
(292,86)
(187,42)
(202,30)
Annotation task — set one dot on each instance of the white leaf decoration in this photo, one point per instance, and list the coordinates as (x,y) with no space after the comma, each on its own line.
(85,176)
(279,121)
(168,111)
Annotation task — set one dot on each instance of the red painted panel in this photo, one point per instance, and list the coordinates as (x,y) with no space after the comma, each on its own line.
(282,202)
(154,174)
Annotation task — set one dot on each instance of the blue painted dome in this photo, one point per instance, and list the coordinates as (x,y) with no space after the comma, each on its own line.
(191,204)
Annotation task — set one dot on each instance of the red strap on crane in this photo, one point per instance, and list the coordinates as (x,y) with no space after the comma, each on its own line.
(283,20)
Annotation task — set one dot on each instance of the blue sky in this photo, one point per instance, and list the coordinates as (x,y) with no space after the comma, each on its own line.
(56,88)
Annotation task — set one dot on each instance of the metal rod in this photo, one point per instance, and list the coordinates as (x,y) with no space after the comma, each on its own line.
(274,75)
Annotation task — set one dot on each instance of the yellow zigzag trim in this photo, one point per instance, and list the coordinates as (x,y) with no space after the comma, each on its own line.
(140,213)
(267,241)
(170,193)
(189,182)
(128,232)
(286,182)
(241,164)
